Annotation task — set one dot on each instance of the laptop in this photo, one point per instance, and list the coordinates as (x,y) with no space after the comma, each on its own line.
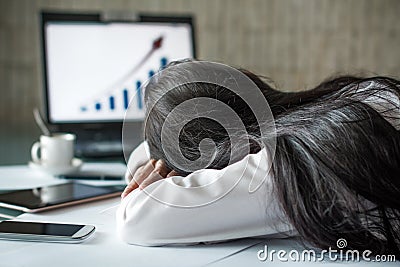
(94,68)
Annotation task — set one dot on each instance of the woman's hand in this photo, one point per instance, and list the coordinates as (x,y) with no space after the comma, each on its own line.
(147,174)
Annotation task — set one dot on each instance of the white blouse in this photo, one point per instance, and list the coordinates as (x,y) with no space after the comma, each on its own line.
(205,206)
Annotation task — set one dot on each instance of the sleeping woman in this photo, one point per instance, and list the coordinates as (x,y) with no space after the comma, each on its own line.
(332,172)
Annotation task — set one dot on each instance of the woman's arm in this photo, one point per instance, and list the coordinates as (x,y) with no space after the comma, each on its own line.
(139,157)
(207,205)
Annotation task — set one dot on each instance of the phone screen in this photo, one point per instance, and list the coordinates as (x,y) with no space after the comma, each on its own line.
(52,229)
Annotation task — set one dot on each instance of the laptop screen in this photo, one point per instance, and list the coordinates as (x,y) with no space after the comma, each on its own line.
(94,70)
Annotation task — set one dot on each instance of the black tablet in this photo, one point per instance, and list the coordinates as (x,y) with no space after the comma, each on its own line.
(55,196)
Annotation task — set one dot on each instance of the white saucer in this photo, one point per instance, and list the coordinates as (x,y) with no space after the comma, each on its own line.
(58,170)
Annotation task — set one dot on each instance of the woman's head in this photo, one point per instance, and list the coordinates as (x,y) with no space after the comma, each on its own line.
(337,159)
(163,96)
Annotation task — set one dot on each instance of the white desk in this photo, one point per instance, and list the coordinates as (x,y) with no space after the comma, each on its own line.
(105,249)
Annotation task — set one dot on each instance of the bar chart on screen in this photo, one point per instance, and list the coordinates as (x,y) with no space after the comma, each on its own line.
(127,89)
(106,69)
(122,94)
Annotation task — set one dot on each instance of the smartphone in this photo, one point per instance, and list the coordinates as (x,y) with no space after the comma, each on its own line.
(45,232)
(56,196)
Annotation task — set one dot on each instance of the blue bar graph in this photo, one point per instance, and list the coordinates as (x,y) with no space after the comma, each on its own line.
(151,73)
(112,103)
(164,62)
(139,94)
(126,98)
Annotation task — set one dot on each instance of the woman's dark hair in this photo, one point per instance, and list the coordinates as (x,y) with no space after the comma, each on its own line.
(336,169)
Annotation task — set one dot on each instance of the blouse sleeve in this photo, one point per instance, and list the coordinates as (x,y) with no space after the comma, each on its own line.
(205,206)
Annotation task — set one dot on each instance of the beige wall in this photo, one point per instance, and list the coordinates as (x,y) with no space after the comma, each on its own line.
(295,42)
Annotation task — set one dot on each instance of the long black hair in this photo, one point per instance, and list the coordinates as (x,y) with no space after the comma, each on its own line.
(336,169)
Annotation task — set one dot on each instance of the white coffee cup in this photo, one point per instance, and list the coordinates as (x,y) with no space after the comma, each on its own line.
(55,150)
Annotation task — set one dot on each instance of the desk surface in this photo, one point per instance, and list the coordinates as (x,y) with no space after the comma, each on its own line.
(105,249)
